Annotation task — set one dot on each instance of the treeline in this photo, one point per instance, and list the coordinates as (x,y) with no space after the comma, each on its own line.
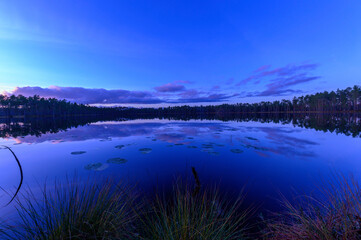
(347,100)
(35,106)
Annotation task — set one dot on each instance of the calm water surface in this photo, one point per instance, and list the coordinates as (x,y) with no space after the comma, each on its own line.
(265,158)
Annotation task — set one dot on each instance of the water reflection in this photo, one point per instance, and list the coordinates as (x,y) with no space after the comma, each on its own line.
(272,157)
(348,124)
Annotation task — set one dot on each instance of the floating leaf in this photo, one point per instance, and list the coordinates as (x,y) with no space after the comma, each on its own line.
(207,145)
(145,150)
(192,147)
(236,150)
(78,152)
(117,160)
(96,166)
(251,138)
(255,147)
(213,153)
(106,139)
(119,146)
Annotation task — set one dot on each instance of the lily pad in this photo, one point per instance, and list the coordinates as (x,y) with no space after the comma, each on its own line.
(96,166)
(207,145)
(252,138)
(213,153)
(105,140)
(192,147)
(256,148)
(119,146)
(117,160)
(236,150)
(145,150)
(78,152)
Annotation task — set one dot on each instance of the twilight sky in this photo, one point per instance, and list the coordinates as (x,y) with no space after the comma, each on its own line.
(157,53)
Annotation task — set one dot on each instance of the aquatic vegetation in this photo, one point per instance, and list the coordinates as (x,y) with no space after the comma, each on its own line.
(154,140)
(207,145)
(21,173)
(145,150)
(252,138)
(213,153)
(169,146)
(194,215)
(105,140)
(255,147)
(190,137)
(336,214)
(120,146)
(75,210)
(192,146)
(117,160)
(207,150)
(96,166)
(78,152)
(236,150)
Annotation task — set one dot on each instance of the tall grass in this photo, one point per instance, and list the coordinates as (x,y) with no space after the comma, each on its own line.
(76,211)
(336,214)
(194,215)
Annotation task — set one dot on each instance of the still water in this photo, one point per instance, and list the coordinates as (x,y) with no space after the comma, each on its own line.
(265,159)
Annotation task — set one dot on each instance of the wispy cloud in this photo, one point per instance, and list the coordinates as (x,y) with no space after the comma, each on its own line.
(89,95)
(170,87)
(280,80)
(120,96)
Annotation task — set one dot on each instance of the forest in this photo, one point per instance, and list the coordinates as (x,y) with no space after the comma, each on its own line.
(346,100)
(35,106)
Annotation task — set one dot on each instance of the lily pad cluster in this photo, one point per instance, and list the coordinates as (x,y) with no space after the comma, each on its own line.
(145,150)
(96,166)
(77,152)
(117,160)
(236,150)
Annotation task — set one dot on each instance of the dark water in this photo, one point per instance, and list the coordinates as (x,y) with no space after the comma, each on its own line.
(264,156)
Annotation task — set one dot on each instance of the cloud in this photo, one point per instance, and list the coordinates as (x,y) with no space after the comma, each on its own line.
(280,80)
(90,95)
(194,96)
(172,87)
(119,96)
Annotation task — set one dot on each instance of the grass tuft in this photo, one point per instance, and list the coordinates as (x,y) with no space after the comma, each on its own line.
(194,215)
(76,211)
(336,214)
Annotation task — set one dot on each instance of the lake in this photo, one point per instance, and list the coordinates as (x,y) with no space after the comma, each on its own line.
(264,156)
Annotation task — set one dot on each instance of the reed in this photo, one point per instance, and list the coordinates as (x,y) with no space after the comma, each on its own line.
(194,214)
(335,214)
(76,211)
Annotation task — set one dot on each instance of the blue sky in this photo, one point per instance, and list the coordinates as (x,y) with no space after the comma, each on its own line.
(175,52)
